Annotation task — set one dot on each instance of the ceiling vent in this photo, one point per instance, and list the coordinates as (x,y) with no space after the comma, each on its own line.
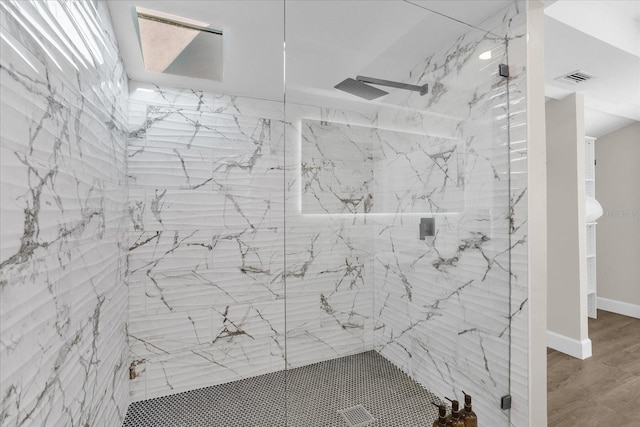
(576,77)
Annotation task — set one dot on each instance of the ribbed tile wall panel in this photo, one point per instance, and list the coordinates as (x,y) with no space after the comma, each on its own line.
(205,264)
(231,197)
(63,300)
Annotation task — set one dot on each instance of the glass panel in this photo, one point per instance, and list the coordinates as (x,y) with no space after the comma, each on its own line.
(378,315)
(205,169)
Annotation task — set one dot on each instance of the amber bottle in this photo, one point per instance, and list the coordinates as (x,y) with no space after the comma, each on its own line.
(468,416)
(455,420)
(441,421)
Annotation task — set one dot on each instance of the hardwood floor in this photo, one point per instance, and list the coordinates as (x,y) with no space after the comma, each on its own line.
(603,390)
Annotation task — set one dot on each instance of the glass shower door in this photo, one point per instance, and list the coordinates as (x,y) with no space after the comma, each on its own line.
(395,115)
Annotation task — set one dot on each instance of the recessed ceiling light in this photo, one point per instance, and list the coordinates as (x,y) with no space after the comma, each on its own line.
(485,55)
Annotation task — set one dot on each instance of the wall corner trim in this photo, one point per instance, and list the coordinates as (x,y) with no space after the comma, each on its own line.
(570,346)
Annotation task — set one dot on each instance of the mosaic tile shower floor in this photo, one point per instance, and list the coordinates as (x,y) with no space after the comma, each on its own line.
(316,393)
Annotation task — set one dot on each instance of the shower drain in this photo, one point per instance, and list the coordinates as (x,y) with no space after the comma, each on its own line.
(356,416)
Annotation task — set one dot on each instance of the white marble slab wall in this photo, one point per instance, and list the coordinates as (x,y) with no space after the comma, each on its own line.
(215,235)
(439,306)
(336,163)
(442,306)
(205,259)
(328,241)
(63,301)
(350,169)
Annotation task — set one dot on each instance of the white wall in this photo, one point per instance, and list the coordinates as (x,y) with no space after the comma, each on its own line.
(567,302)
(63,194)
(618,236)
(535,212)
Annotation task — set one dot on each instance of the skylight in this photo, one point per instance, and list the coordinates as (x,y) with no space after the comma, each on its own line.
(176,45)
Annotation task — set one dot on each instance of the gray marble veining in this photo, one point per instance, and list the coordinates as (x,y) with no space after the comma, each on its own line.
(191,195)
(209,220)
(63,231)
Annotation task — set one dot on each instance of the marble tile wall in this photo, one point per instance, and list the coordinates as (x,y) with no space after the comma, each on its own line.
(205,263)
(328,237)
(444,307)
(63,301)
(349,169)
(215,237)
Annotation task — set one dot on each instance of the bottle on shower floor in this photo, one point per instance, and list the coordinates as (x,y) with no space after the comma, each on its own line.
(468,416)
(455,419)
(441,421)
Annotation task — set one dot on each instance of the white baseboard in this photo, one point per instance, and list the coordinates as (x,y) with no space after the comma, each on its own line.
(570,346)
(619,307)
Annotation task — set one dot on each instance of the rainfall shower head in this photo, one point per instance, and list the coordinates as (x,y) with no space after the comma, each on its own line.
(359,87)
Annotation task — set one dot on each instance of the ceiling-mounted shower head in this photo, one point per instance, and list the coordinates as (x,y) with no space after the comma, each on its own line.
(360,89)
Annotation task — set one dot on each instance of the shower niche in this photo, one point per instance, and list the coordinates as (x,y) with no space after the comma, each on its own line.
(351,169)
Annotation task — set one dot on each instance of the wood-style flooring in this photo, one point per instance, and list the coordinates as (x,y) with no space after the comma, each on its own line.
(603,390)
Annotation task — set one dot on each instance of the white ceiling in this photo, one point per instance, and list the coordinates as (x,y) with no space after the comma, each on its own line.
(252,47)
(326,41)
(330,41)
(601,38)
